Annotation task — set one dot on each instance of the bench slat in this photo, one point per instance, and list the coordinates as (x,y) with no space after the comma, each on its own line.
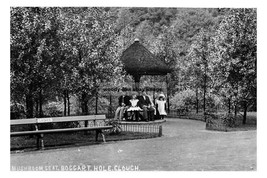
(58,130)
(22,121)
(57,119)
(77,118)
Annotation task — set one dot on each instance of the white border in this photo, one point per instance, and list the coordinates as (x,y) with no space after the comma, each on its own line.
(5,81)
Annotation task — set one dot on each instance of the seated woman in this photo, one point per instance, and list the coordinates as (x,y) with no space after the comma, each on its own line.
(124,104)
(134,108)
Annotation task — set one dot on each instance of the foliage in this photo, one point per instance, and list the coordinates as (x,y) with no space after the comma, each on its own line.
(33,44)
(236,48)
(235,44)
(76,50)
(17,111)
(116,127)
(220,121)
(53,109)
(183,99)
(54,49)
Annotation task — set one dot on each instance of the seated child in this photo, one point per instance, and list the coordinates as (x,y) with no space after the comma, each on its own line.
(134,108)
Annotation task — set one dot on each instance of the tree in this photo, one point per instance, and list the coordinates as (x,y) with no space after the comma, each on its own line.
(186,30)
(89,33)
(201,62)
(33,55)
(55,51)
(236,49)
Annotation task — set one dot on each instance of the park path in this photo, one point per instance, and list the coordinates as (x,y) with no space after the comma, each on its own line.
(185,146)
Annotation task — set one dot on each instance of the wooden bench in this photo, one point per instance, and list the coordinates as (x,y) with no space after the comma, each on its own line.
(95,123)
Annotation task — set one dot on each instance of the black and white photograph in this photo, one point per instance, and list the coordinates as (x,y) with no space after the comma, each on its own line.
(132,88)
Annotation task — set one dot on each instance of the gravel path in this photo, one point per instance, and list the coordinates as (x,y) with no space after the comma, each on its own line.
(184,146)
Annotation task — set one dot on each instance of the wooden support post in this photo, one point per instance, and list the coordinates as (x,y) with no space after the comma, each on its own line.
(160,130)
(38,142)
(38,137)
(86,125)
(42,141)
(137,81)
(102,134)
(96,135)
(103,137)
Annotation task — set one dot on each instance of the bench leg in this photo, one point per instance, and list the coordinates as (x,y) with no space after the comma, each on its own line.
(103,137)
(102,134)
(96,134)
(40,141)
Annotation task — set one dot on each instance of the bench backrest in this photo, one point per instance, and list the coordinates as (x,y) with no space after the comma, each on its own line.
(57,119)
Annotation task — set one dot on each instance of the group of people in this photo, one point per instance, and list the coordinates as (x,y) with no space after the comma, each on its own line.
(140,107)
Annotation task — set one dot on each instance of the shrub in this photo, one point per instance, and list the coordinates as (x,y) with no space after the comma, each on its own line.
(214,102)
(116,127)
(183,100)
(17,111)
(53,109)
(220,121)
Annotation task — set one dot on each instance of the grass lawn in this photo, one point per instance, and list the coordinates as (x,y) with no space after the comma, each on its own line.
(25,143)
(184,146)
(251,123)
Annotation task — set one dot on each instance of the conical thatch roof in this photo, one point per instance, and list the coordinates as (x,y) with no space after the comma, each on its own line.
(138,60)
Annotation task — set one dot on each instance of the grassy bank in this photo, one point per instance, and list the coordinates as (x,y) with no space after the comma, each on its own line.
(251,123)
(25,143)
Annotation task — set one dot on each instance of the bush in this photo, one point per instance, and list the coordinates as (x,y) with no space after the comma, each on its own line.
(214,102)
(183,100)
(53,109)
(116,127)
(17,111)
(186,100)
(220,121)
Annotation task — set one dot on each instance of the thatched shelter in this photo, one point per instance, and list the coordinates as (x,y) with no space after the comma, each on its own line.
(140,61)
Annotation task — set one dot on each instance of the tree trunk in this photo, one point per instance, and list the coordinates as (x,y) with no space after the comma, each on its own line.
(235,109)
(84,104)
(205,88)
(154,95)
(110,106)
(65,103)
(236,94)
(197,100)
(96,103)
(36,107)
(245,112)
(29,106)
(168,92)
(229,105)
(40,103)
(204,100)
(68,100)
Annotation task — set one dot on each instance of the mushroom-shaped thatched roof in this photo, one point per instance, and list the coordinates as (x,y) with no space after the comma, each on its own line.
(138,60)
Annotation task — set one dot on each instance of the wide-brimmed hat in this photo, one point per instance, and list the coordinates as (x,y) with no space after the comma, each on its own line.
(134,93)
(161,95)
